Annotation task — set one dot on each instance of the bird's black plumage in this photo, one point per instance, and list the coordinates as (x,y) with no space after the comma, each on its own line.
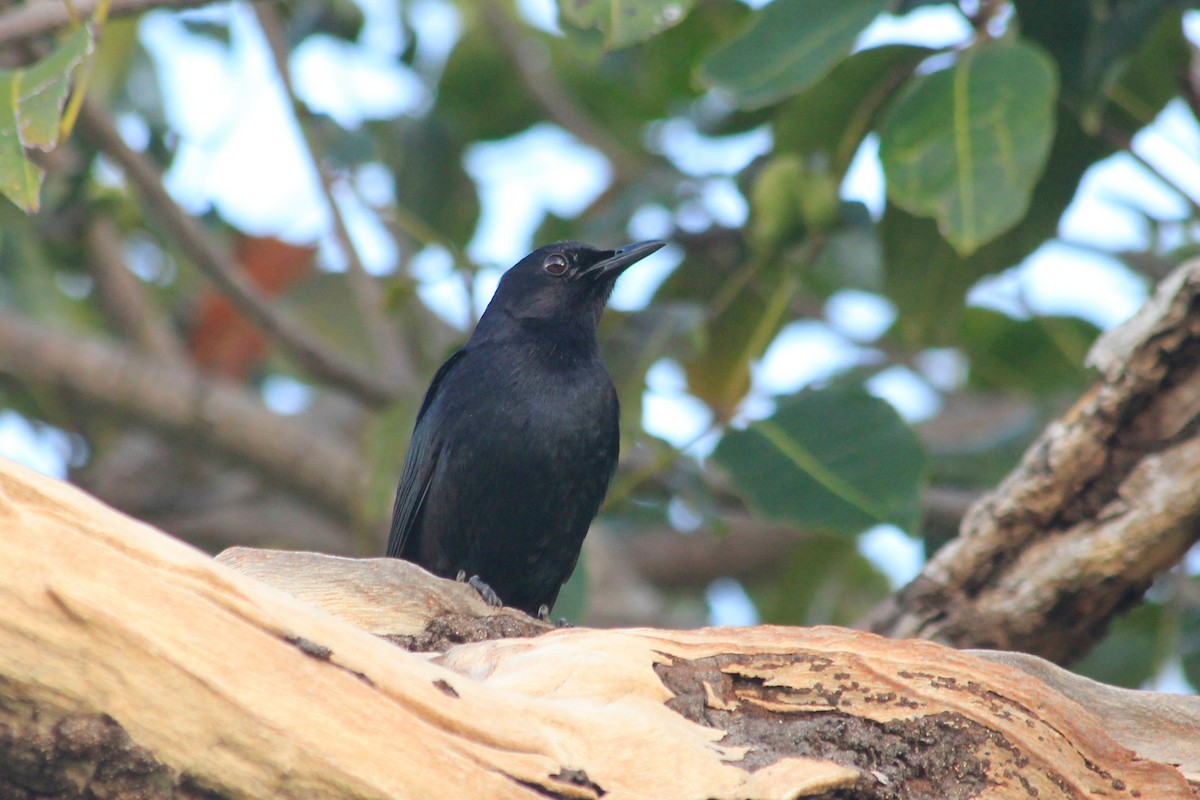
(517,437)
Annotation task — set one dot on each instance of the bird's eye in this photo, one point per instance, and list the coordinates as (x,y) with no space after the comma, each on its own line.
(555,264)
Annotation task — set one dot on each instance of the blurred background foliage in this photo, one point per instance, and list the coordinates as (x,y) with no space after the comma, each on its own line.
(754,484)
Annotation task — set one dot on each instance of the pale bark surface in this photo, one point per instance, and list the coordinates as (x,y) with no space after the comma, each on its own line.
(135,666)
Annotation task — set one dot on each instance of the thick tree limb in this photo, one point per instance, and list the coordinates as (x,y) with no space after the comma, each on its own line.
(204,410)
(132,665)
(1103,501)
(204,500)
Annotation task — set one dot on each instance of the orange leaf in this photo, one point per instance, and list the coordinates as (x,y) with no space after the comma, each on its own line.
(221,339)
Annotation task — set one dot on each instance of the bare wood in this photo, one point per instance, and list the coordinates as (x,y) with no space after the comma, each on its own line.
(1102,502)
(1159,727)
(402,601)
(221,684)
(384,596)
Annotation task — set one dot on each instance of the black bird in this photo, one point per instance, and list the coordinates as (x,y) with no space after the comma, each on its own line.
(517,437)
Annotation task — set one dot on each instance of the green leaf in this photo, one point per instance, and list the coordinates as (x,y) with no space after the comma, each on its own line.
(927,279)
(1189,637)
(775,217)
(789,46)
(746,303)
(624,22)
(1063,29)
(832,116)
(851,259)
(20,179)
(432,185)
(966,145)
(477,96)
(740,333)
(44,87)
(1038,355)
(823,581)
(836,459)
(1144,83)
(1118,63)
(31,268)
(631,343)
(31,104)
(628,88)
(1132,652)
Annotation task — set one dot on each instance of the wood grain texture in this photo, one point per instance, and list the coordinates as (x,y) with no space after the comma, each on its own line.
(217,683)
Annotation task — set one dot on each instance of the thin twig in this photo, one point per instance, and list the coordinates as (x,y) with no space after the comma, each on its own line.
(553,97)
(383,335)
(123,297)
(43,16)
(625,487)
(1123,141)
(404,222)
(219,267)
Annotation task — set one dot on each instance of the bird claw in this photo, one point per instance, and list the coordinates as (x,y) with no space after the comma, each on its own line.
(544,615)
(486,592)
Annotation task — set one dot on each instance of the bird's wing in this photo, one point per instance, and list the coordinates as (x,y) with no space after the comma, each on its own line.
(419,465)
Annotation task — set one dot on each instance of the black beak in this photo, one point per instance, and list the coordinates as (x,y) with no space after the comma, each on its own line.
(622,259)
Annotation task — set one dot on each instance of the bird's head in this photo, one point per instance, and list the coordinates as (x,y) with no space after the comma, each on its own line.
(564,284)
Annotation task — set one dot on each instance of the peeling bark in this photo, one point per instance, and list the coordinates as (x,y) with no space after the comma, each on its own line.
(1101,503)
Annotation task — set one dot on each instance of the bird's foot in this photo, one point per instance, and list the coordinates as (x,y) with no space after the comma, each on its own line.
(486,592)
(544,615)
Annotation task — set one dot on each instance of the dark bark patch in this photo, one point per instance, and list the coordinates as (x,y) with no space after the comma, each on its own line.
(444,632)
(577,777)
(942,755)
(310,648)
(556,794)
(84,757)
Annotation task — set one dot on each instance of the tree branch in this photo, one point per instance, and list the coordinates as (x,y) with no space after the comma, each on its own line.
(1102,502)
(557,103)
(204,410)
(44,16)
(218,266)
(745,547)
(130,656)
(384,336)
(123,298)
